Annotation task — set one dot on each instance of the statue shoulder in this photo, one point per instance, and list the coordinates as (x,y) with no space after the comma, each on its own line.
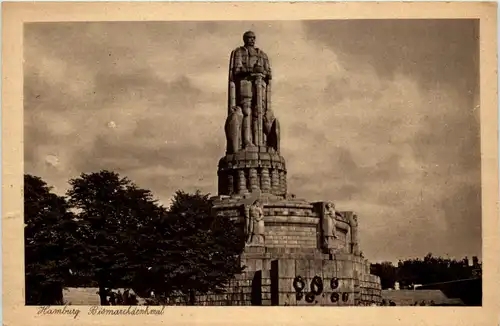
(238,49)
(233,53)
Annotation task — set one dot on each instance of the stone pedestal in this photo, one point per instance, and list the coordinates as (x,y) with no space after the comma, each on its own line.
(256,168)
(291,267)
(299,278)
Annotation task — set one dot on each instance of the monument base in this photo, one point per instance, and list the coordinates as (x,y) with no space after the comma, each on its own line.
(310,280)
(291,268)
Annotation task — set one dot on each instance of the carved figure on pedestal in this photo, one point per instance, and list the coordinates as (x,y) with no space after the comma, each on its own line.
(249,87)
(254,224)
(330,213)
(258,219)
(233,130)
(353,221)
(248,224)
(328,225)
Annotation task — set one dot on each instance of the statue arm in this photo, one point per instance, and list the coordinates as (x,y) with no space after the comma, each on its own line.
(267,66)
(231,86)
(231,65)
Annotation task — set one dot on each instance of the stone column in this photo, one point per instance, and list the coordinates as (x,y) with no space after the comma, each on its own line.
(265,180)
(230,183)
(254,179)
(282,183)
(242,182)
(275,181)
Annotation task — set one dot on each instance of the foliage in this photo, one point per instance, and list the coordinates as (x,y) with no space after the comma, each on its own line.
(428,270)
(195,252)
(433,270)
(112,212)
(48,242)
(387,273)
(127,240)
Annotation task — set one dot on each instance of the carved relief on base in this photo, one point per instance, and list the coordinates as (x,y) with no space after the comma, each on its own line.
(254,224)
(353,222)
(328,226)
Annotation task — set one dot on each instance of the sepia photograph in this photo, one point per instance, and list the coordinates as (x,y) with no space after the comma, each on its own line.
(258,162)
(148,146)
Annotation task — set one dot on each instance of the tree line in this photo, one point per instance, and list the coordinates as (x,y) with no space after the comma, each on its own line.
(428,270)
(107,232)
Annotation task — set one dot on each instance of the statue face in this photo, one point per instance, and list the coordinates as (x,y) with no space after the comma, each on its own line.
(249,38)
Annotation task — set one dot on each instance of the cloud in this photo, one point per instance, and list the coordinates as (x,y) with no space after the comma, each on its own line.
(377,116)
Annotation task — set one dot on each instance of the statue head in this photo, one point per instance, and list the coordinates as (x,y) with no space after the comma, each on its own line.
(249,38)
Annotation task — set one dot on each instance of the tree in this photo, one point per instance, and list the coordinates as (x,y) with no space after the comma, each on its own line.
(196,252)
(48,242)
(387,273)
(428,270)
(433,269)
(112,213)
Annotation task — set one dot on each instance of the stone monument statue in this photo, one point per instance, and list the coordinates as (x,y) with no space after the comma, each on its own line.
(353,221)
(248,225)
(331,214)
(250,88)
(253,161)
(254,224)
(329,228)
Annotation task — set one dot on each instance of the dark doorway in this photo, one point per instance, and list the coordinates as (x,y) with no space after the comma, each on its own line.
(257,289)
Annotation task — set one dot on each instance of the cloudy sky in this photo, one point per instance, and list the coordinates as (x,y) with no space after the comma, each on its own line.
(379,116)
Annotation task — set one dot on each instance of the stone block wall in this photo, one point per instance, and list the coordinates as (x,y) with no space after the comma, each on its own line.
(247,289)
(371,290)
(338,282)
(291,235)
(244,290)
(272,275)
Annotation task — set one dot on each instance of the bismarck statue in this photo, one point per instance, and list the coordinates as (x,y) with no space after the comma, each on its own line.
(250,89)
(289,243)
(253,161)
